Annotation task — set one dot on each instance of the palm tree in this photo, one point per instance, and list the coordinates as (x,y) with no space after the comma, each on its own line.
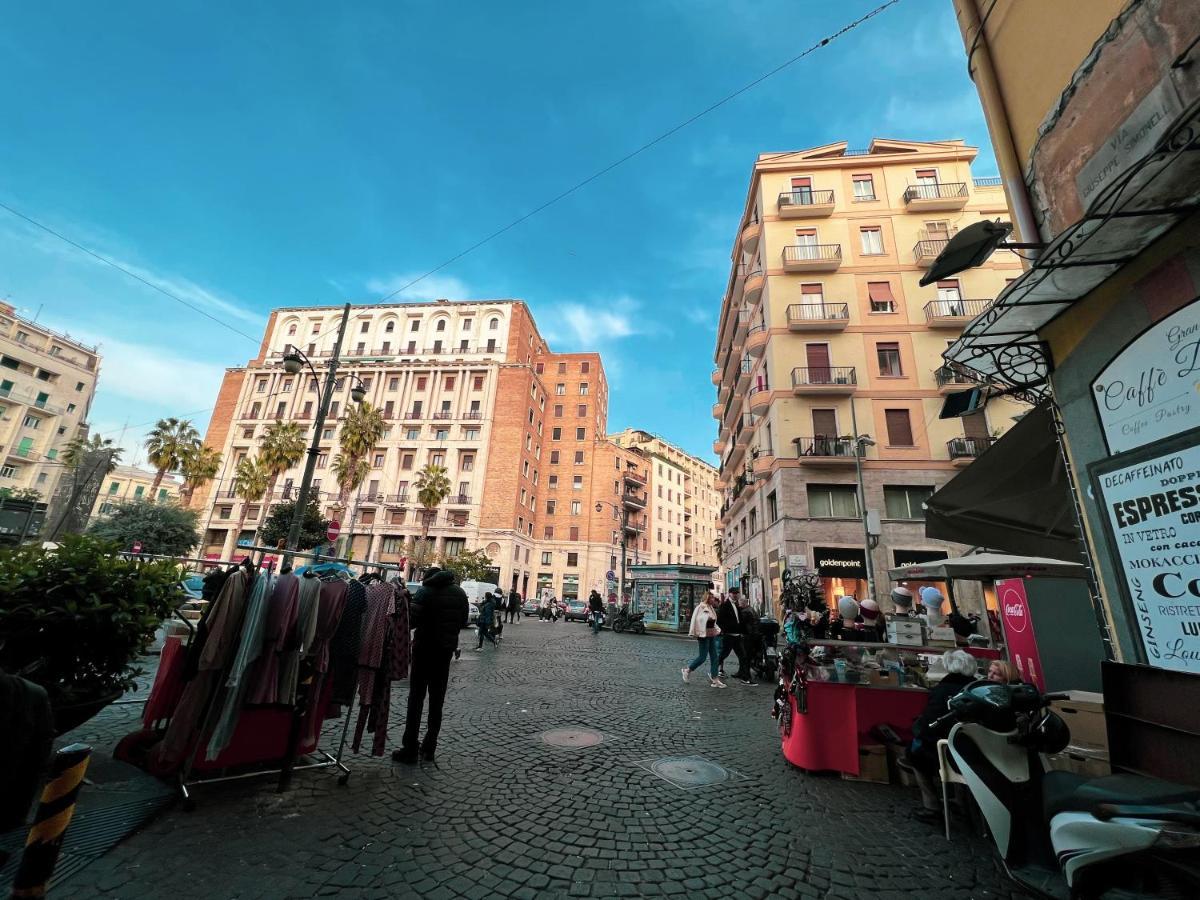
(432,488)
(350,473)
(251,478)
(280,448)
(362,429)
(79,447)
(199,465)
(166,444)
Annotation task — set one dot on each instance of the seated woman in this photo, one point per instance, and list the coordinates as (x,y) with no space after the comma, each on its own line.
(961,670)
(1003,672)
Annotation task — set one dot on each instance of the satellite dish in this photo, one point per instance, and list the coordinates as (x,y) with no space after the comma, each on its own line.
(969,248)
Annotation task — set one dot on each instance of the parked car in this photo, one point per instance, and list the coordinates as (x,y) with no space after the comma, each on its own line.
(577,611)
(472,613)
(529,608)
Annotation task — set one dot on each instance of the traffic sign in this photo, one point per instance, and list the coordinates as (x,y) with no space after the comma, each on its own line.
(335,528)
(137,546)
(611,576)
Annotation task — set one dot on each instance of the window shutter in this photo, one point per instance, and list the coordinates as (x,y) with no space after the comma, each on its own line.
(899,427)
(880,291)
(812,289)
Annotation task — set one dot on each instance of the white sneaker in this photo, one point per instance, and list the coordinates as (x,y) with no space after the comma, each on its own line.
(686,674)
(716,682)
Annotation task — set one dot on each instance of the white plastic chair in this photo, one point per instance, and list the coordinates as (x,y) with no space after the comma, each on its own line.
(948,776)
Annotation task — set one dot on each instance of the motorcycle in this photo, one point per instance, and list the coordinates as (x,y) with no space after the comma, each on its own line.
(1058,833)
(627,621)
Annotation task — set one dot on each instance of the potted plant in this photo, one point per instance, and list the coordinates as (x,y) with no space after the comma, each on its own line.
(75,619)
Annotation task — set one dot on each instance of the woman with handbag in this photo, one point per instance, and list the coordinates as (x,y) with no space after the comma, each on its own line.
(708,636)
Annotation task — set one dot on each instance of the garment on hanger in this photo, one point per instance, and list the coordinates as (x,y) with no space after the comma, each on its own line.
(249,647)
(401,655)
(224,628)
(168,685)
(374,692)
(279,629)
(330,609)
(300,638)
(347,640)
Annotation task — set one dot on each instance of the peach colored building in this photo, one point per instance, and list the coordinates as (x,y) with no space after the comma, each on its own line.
(471,386)
(823,328)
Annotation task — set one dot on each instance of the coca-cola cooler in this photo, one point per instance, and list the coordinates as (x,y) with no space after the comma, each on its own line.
(1051,633)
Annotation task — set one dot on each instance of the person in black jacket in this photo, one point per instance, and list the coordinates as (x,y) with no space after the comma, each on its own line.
(729,620)
(961,670)
(437,613)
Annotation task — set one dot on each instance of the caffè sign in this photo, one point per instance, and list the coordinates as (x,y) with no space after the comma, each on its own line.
(1151,390)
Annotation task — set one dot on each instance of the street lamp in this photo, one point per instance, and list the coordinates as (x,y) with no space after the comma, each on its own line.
(624,514)
(861,443)
(293,363)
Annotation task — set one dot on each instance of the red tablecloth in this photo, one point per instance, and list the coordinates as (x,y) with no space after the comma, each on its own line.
(840,718)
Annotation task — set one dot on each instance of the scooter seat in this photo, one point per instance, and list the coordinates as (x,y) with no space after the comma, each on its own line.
(1068,792)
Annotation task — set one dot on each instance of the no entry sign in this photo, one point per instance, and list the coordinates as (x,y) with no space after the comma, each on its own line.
(335,528)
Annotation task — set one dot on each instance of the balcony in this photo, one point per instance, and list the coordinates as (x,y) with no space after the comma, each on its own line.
(950,379)
(414,415)
(632,477)
(717,409)
(964,449)
(372,499)
(718,446)
(397,499)
(756,339)
(926,251)
(805,204)
(753,287)
(760,398)
(751,233)
(24,453)
(743,375)
(443,415)
(634,500)
(473,415)
(812,257)
(459,499)
(824,380)
(745,430)
(740,327)
(763,460)
(935,196)
(716,376)
(634,526)
(825,451)
(818,316)
(953,313)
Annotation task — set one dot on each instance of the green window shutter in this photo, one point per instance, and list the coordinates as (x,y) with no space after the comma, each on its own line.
(139,490)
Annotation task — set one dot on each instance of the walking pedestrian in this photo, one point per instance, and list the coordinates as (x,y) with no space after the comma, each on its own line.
(705,630)
(595,610)
(486,620)
(498,616)
(514,606)
(730,617)
(544,612)
(437,613)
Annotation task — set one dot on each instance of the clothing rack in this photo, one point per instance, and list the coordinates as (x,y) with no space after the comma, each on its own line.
(288,765)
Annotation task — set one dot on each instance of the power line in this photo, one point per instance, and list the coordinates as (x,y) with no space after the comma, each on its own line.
(120,268)
(644,147)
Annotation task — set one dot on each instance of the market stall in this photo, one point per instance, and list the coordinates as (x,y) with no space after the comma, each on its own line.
(667,594)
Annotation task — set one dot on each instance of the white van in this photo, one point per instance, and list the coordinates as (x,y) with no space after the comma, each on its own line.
(475,591)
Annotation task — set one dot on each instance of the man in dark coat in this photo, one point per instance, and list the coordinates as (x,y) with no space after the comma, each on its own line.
(487,616)
(729,620)
(437,613)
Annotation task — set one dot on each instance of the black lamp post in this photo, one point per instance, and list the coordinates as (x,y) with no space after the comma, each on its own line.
(293,363)
(624,514)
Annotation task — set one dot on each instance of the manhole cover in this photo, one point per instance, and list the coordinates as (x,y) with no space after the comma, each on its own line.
(572,737)
(689,771)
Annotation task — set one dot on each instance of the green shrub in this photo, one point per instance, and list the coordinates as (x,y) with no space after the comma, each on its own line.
(76,619)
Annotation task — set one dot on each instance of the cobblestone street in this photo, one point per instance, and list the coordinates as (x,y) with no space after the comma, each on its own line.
(505,814)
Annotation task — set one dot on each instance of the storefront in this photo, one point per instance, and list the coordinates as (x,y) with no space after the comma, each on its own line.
(902,558)
(843,572)
(668,594)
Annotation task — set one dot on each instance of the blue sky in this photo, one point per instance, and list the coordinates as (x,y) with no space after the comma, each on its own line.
(249,158)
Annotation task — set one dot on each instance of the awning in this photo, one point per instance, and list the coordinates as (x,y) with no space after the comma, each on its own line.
(987,567)
(1014,497)
(1152,196)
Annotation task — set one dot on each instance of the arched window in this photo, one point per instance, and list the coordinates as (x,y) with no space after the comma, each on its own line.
(441,325)
(390,326)
(493,324)
(291,329)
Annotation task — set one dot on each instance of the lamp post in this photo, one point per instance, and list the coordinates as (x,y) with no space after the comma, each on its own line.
(861,442)
(293,364)
(624,515)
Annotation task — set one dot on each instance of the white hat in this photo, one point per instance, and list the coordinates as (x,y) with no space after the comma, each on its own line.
(932,597)
(847,607)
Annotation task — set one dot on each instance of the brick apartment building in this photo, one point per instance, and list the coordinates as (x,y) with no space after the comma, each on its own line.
(471,386)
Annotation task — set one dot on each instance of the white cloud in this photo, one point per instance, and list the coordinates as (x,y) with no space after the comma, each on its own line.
(586,326)
(432,287)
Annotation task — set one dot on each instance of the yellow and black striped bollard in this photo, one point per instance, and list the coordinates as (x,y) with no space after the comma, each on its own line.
(53,816)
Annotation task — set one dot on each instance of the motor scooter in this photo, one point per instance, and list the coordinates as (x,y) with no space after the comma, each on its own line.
(627,621)
(1060,834)
(764,660)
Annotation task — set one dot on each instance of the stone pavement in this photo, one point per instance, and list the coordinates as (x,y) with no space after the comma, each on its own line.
(504,814)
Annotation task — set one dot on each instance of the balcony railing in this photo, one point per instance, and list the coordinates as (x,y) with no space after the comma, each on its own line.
(634,477)
(443,415)
(825,446)
(947,190)
(473,414)
(459,499)
(802,253)
(951,375)
(968,448)
(823,376)
(805,198)
(988,182)
(414,414)
(635,500)
(929,248)
(397,498)
(954,309)
(818,312)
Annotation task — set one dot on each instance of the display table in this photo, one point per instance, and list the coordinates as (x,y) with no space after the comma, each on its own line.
(840,716)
